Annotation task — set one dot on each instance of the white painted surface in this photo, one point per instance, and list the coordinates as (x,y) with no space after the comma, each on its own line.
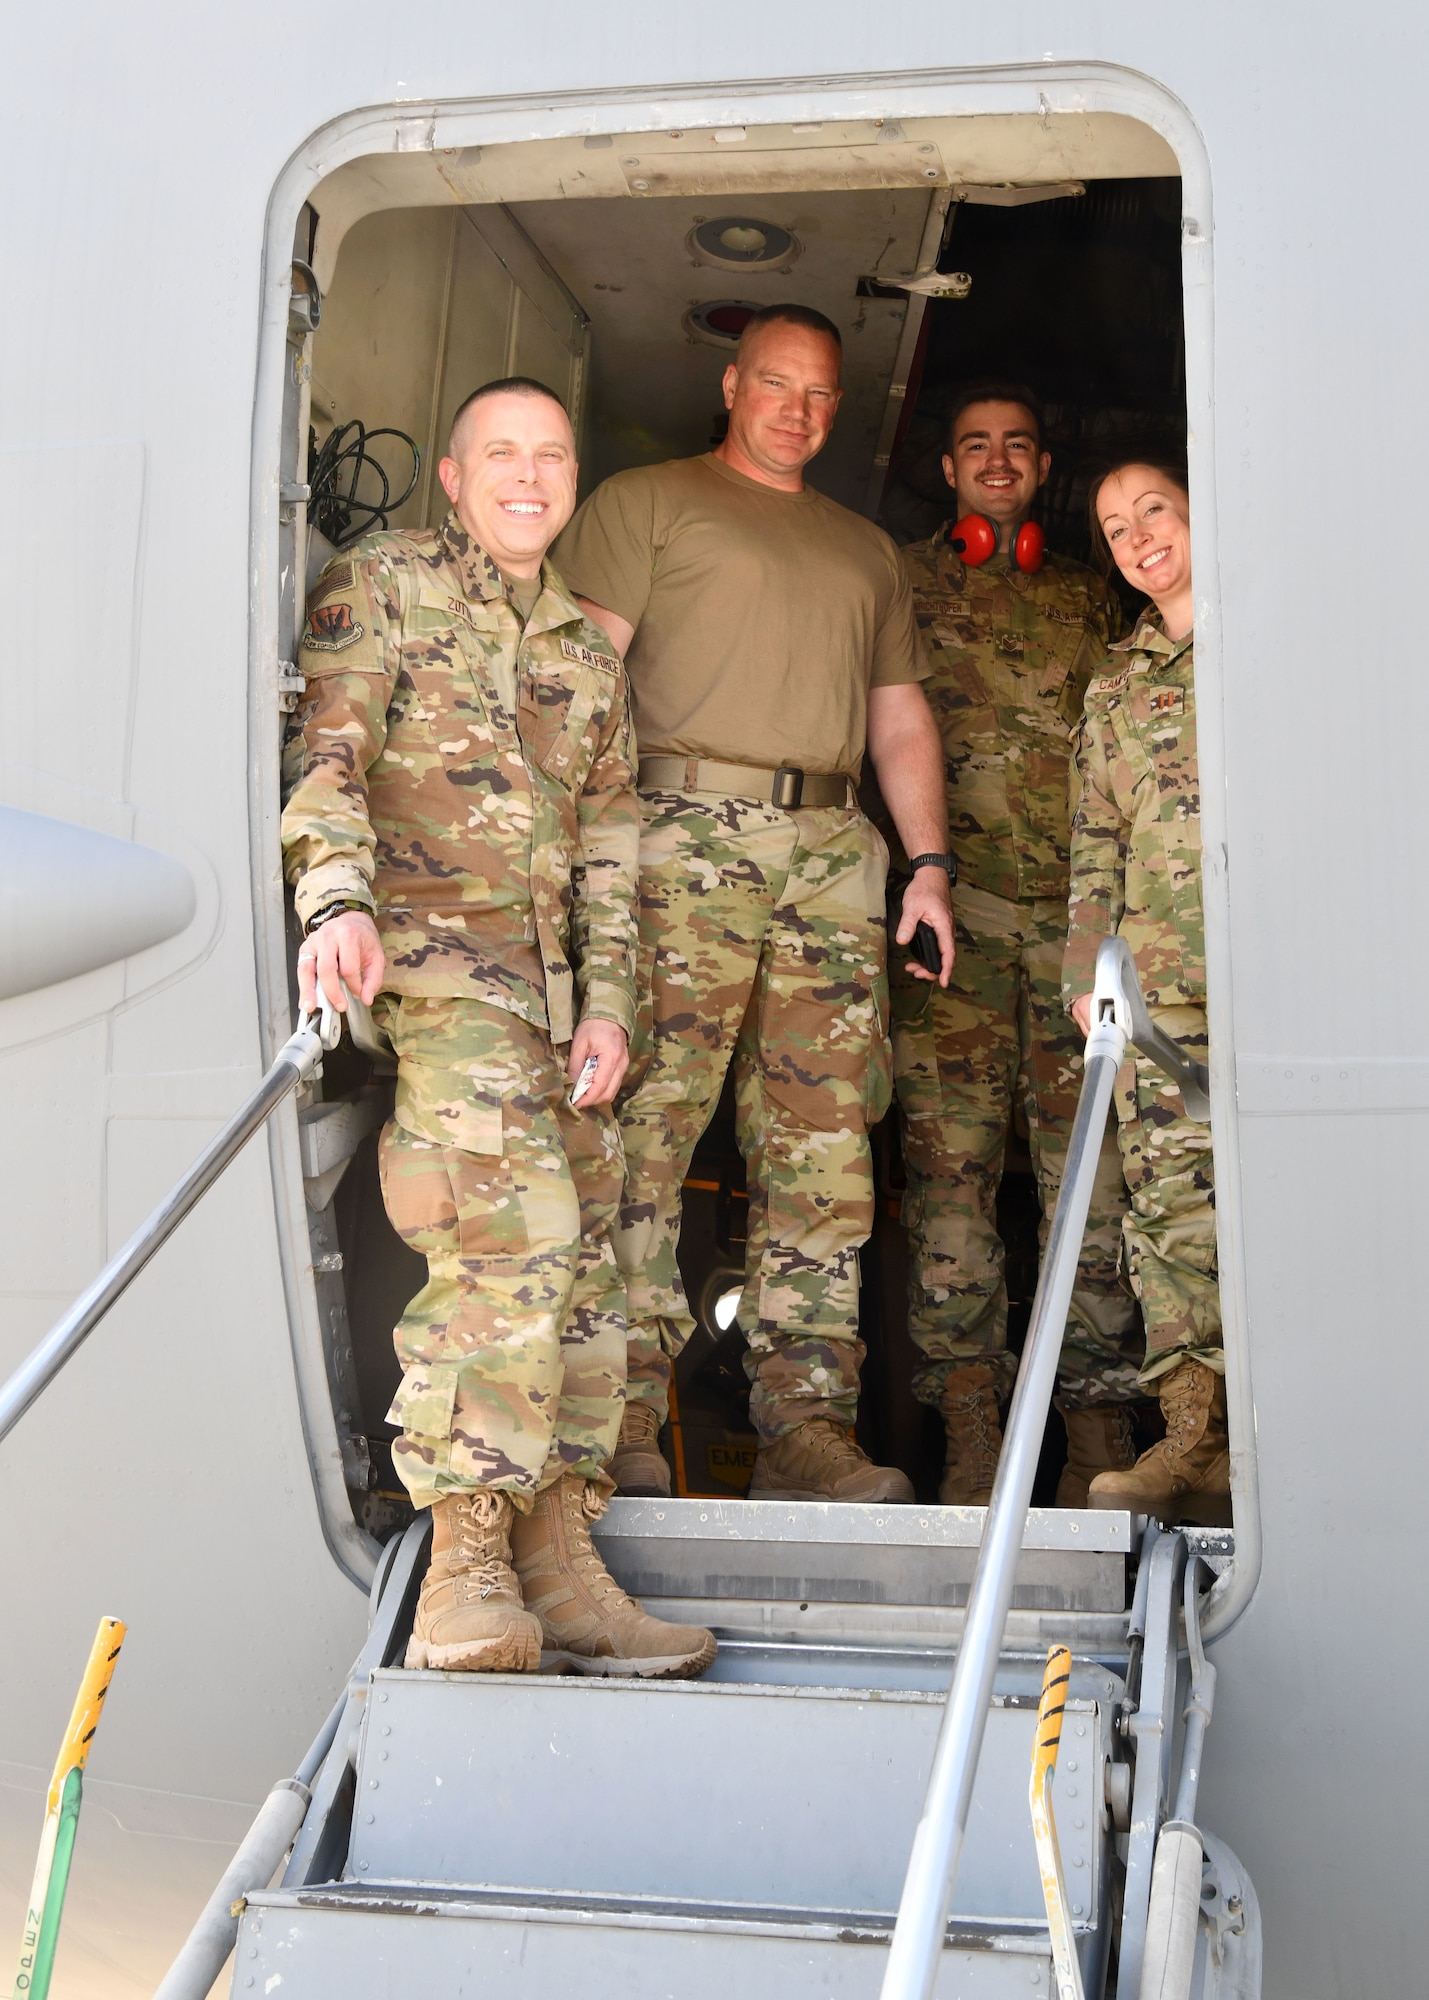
(166,1480)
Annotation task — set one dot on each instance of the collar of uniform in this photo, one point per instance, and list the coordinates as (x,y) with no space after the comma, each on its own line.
(1149,638)
(950,565)
(480,578)
(554,606)
(955,570)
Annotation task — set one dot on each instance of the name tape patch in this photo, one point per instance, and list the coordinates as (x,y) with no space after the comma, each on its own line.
(584,657)
(1109,683)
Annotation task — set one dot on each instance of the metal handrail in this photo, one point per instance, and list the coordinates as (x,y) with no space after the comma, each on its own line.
(1119,1017)
(296,1060)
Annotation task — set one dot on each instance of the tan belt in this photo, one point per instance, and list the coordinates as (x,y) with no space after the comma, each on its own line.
(786,787)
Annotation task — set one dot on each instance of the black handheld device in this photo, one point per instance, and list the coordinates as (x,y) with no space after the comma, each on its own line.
(926,948)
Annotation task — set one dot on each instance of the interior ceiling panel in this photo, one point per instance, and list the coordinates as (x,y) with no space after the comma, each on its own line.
(655,385)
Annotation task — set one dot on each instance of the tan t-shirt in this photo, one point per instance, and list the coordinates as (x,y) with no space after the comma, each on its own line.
(761,618)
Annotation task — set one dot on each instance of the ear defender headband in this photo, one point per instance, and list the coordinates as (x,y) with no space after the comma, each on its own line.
(975,539)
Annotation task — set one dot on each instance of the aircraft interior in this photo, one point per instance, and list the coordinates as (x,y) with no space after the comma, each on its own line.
(621,274)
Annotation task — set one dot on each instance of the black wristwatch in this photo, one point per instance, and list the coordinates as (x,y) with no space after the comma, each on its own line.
(333,910)
(949,862)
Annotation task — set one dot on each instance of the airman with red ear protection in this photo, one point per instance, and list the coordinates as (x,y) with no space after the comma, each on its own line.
(1013,633)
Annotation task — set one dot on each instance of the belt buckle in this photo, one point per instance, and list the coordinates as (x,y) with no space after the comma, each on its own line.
(788,788)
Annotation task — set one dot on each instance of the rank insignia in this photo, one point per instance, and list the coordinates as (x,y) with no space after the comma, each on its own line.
(1167,701)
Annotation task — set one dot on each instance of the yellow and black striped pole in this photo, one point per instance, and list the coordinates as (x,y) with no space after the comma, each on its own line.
(47,1894)
(1056,1679)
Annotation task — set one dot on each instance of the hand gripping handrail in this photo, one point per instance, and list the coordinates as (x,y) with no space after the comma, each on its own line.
(1119,1017)
(297,1059)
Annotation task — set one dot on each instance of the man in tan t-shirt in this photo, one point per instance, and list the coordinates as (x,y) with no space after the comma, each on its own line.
(769,638)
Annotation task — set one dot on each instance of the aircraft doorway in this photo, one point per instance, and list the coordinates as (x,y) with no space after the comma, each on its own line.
(630,308)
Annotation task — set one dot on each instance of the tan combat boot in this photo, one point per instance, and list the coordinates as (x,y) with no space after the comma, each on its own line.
(974,1425)
(588,1622)
(818,1460)
(1187,1476)
(470,1618)
(1098,1440)
(638,1465)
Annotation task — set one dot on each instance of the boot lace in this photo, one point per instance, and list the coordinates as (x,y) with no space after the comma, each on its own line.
(479,1555)
(640,1424)
(581,1507)
(1124,1433)
(978,1447)
(1185,1411)
(835,1442)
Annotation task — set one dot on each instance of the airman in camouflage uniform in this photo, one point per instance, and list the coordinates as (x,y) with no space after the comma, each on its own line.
(762,934)
(1136,872)
(770,640)
(471,785)
(1012,651)
(460,770)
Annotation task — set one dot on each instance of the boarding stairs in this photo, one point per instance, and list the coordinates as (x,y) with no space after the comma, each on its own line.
(522,1835)
(821,1816)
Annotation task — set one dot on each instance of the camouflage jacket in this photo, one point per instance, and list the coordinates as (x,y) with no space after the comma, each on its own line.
(498,850)
(1136,837)
(1011,656)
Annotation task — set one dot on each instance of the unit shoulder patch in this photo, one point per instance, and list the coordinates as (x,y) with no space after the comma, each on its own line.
(332,629)
(584,656)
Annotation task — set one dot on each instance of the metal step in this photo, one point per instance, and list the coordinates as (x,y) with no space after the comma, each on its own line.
(796,1552)
(732,1792)
(373,1943)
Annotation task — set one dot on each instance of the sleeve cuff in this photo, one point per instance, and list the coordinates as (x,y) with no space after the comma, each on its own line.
(605,1002)
(1079,966)
(331,883)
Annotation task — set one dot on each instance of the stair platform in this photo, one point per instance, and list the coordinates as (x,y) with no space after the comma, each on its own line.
(834,1552)
(387,1942)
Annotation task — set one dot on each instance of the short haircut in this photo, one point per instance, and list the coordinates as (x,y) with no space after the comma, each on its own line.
(791,315)
(991,391)
(1170,466)
(509,385)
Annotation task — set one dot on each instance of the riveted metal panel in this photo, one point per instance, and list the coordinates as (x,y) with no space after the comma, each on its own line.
(802,1797)
(321,1947)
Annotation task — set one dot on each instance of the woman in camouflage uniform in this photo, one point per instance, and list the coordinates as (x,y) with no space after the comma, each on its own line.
(1136,871)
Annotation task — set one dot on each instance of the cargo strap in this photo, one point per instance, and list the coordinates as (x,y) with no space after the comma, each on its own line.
(787,787)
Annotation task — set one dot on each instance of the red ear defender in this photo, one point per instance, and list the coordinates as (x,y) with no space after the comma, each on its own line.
(1030,547)
(974,539)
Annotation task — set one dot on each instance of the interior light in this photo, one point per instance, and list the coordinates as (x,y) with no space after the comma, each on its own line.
(742,243)
(744,237)
(720,321)
(726,1306)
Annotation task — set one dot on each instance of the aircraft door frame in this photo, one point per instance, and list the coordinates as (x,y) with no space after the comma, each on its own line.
(1040,91)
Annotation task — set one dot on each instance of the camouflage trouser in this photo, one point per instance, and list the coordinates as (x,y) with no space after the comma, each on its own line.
(761,940)
(513,1352)
(1171,1230)
(959,1059)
